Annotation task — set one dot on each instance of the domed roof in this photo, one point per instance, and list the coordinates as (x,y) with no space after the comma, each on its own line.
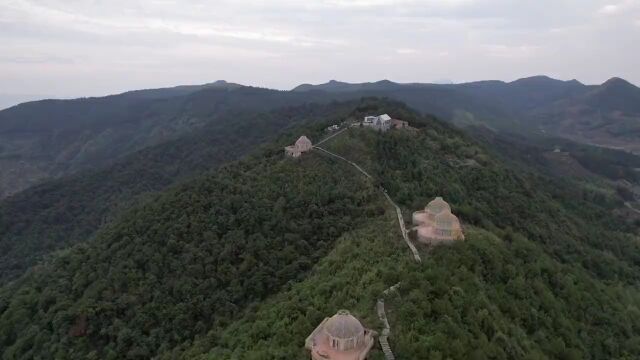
(437,206)
(303,140)
(446,220)
(343,325)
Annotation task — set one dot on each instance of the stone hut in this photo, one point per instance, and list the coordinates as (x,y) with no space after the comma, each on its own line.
(303,144)
(340,337)
(436,224)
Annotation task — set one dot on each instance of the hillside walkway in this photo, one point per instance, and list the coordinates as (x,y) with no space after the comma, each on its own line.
(416,256)
(384,337)
(628,205)
(403,229)
(331,136)
(343,159)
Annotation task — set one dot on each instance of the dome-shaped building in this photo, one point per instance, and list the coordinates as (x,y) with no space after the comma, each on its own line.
(303,144)
(340,337)
(428,215)
(436,224)
(447,225)
(344,331)
(436,207)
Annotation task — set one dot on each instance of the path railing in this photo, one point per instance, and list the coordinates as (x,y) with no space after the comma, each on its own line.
(331,136)
(384,337)
(343,159)
(403,230)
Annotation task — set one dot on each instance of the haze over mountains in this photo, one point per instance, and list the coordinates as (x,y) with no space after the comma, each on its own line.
(606,115)
(51,138)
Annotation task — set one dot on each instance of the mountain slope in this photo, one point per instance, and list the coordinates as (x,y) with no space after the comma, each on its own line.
(607,115)
(47,138)
(243,263)
(186,261)
(52,138)
(69,210)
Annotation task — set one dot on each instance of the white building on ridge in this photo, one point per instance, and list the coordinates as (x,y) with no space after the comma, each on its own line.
(381,122)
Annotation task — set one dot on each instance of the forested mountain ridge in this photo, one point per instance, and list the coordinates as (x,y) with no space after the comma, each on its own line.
(605,115)
(69,210)
(51,138)
(43,139)
(188,260)
(244,263)
(548,278)
(540,283)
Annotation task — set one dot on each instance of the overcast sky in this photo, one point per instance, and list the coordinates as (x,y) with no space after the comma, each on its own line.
(94,47)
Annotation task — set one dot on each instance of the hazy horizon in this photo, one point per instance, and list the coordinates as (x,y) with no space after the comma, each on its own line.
(9,100)
(69,49)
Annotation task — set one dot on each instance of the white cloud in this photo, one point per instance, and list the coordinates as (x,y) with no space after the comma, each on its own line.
(609,9)
(619,7)
(407,51)
(122,44)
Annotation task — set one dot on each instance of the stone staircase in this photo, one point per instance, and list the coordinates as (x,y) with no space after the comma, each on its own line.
(383,339)
(386,349)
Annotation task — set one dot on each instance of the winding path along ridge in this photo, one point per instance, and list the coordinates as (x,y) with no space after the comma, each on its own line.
(414,251)
(384,337)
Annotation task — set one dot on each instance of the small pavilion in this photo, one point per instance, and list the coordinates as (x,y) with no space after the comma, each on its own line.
(340,337)
(436,224)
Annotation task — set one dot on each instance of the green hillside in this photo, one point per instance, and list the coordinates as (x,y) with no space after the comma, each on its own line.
(244,263)
(47,139)
(69,210)
(539,275)
(188,260)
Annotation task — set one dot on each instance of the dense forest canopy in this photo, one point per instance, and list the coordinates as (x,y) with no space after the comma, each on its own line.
(190,259)
(541,274)
(244,262)
(69,210)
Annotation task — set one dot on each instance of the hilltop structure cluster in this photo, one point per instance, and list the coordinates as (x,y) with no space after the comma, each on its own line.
(383,122)
(436,224)
(340,337)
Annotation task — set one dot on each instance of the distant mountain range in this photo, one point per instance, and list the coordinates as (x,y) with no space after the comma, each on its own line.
(606,115)
(51,138)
